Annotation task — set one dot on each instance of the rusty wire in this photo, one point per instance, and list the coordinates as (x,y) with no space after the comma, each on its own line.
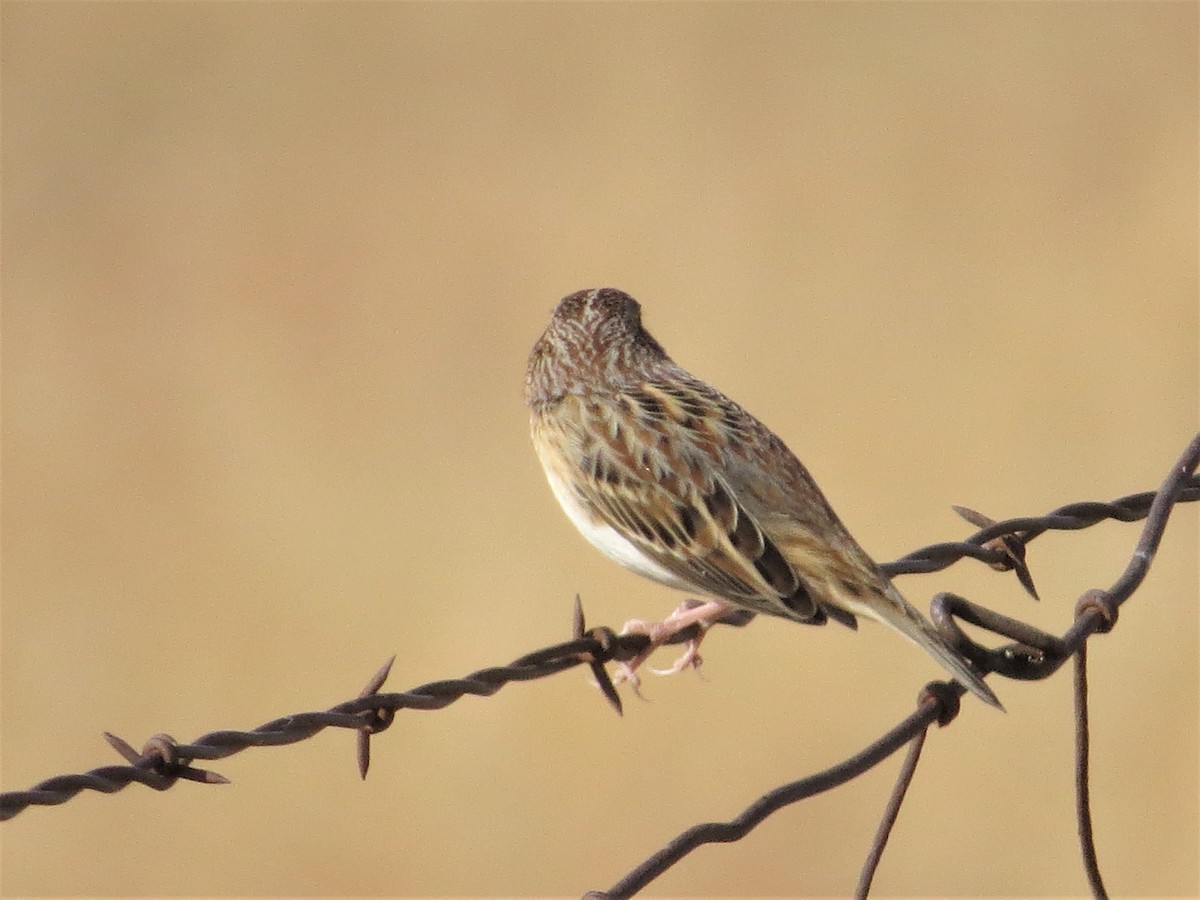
(162,762)
(1083,791)
(890,813)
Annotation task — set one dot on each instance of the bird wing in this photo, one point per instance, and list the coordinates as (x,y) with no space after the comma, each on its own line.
(651,467)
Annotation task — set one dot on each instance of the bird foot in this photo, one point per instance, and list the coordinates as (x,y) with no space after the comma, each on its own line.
(689,613)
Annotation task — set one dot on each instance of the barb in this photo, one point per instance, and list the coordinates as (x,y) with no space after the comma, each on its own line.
(1035,654)
(1011,548)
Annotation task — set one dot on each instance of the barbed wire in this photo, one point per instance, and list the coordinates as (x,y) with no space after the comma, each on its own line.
(162,762)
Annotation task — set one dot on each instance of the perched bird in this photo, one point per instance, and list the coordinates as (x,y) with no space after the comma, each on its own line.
(669,477)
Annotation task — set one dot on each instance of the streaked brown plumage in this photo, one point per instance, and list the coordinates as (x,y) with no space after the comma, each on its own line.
(672,479)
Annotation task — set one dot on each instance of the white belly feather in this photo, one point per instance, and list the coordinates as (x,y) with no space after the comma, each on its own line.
(607,539)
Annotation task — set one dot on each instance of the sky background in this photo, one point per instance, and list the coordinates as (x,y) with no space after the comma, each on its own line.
(270,276)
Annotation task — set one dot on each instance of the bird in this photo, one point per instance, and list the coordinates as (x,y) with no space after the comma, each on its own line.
(667,476)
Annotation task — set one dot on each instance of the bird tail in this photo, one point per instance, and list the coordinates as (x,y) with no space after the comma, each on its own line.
(902,616)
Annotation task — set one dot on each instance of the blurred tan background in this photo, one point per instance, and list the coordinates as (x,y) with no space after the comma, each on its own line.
(270,276)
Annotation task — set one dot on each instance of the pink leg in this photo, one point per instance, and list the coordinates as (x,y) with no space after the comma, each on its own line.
(691,612)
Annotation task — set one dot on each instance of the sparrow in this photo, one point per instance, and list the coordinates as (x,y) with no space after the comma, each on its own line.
(667,476)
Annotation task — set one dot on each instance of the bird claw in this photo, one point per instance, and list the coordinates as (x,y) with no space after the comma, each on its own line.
(689,659)
(690,613)
(626,673)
